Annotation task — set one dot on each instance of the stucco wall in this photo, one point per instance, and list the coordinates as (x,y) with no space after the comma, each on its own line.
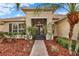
(31,15)
(4,27)
(63,29)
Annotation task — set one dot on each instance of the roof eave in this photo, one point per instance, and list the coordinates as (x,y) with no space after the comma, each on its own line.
(33,9)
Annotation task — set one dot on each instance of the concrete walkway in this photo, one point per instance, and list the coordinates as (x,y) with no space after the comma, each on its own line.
(39,49)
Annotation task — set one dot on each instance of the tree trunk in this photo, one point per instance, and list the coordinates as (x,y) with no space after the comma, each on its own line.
(77,45)
(76,48)
(70,38)
(70,49)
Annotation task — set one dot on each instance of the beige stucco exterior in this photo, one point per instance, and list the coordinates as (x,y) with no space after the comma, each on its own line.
(4,23)
(4,28)
(59,25)
(63,29)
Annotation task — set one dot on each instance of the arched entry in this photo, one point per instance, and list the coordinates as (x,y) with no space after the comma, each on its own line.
(39,23)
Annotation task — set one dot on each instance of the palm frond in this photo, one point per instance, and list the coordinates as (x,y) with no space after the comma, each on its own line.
(72,7)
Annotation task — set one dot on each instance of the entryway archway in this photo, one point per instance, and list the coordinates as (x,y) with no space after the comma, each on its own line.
(39,23)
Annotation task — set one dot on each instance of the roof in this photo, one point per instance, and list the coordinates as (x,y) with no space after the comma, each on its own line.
(34,9)
(19,19)
(58,17)
(55,18)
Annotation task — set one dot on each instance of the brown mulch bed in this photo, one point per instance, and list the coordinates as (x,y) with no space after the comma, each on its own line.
(62,51)
(20,47)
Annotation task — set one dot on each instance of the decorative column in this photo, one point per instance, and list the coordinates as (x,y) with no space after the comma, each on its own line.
(49,31)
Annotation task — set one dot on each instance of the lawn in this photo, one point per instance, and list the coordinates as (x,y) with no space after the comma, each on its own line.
(19,47)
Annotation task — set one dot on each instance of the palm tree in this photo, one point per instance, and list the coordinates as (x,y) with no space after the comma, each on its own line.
(72,19)
(72,15)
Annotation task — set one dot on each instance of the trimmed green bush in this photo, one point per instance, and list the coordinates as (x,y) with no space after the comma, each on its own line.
(73,44)
(64,42)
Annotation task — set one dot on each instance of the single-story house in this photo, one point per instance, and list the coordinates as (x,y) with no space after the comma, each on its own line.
(55,23)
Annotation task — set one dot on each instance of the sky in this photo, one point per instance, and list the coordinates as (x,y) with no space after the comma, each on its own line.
(8,10)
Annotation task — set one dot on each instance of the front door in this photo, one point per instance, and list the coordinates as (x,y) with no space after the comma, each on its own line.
(40,29)
(39,24)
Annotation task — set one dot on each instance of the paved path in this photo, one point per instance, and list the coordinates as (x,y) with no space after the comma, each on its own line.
(39,49)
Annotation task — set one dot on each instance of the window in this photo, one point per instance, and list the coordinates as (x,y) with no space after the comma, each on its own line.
(10,27)
(17,27)
(21,27)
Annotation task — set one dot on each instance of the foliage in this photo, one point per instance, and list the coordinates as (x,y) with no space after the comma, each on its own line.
(64,43)
(32,31)
(1,34)
(22,33)
(11,34)
(45,30)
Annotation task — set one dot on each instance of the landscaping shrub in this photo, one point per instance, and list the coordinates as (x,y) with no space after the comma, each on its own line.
(73,44)
(32,31)
(64,42)
(22,33)
(1,34)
